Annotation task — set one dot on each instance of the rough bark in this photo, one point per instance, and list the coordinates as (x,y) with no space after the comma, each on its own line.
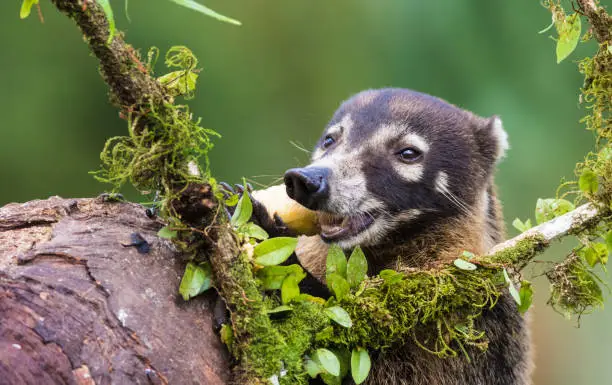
(81,306)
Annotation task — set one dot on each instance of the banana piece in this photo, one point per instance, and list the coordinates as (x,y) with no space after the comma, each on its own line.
(297,217)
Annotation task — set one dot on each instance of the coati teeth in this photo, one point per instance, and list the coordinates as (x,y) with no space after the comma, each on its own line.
(335,227)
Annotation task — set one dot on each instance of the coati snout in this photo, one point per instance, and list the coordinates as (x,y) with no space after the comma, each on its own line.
(390,159)
(308,186)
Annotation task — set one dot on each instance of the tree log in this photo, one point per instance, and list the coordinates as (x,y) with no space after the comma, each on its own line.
(80,305)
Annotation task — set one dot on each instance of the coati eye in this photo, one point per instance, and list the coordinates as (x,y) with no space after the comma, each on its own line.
(410,155)
(328,141)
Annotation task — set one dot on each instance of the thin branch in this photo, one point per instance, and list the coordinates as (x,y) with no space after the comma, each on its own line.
(581,218)
(599,19)
(126,76)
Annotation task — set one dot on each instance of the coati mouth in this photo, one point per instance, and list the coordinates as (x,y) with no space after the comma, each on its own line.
(335,227)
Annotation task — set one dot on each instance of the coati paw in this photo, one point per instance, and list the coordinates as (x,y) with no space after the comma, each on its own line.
(274,225)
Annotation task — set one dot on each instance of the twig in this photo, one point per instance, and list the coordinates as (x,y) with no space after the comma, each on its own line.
(582,217)
(599,19)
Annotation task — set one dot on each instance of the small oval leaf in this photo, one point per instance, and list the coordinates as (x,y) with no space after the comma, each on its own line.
(328,361)
(512,289)
(526,295)
(274,251)
(588,182)
(464,265)
(360,365)
(196,280)
(243,212)
(290,288)
(167,233)
(251,230)
(336,261)
(339,315)
(569,31)
(312,368)
(272,277)
(338,285)
(357,267)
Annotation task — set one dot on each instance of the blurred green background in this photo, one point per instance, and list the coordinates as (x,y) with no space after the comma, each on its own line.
(279,77)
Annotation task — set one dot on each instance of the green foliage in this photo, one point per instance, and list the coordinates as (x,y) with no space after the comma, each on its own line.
(328,361)
(339,315)
(181,82)
(274,251)
(108,11)
(26,8)
(588,182)
(243,212)
(569,29)
(167,233)
(575,289)
(522,226)
(463,264)
(526,297)
(356,268)
(196,280)
(336,261)
(547,209)
(511,288)
(360,365)
(205,10)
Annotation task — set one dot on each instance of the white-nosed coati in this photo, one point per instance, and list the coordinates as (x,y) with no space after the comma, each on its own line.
(409,178)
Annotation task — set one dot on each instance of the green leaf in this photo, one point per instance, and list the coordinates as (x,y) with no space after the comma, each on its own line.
(569,34)
(526,295)
(272,277)
(274,251)
(547,209)
(290,288)
(464,265)
(594,253)
(312,368)
(166,233)
(108,11)
(512,289)
(339,315)
(338,285)
(196,280)
(243,212)
(328,361)
(232,200)
(280,310)
(325,334)
(391,276)
(357,267)
(588,182)
(227,335)
(608,239)
(467,254)
(336,261)
(303,297)
(253,231)
(522,226)
(205,10)
(360,365)
(179,82)
(26,8)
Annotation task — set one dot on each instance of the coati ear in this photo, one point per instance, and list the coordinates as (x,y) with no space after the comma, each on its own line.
(492,139)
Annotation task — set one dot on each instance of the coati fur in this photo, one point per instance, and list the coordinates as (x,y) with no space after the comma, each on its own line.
(409,178)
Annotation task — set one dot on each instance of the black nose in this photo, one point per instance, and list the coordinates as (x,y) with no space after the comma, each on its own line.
(308,186)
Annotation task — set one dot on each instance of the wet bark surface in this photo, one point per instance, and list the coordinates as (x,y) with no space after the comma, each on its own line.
(80,304)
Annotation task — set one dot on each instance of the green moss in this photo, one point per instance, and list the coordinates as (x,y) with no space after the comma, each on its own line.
(521,253)
(440,304)
(575,289)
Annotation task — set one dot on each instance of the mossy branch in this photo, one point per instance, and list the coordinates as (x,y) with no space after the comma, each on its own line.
(599,19)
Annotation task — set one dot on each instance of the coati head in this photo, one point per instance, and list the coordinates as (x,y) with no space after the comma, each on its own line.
(394,162)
